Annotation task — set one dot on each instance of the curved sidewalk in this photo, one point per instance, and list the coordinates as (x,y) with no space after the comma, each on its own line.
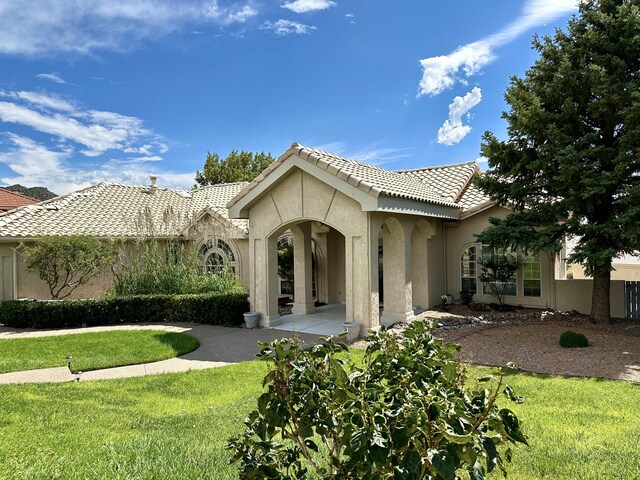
(219,346)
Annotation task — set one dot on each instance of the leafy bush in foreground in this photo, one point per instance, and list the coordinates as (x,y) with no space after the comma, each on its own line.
(403,412)
(571,339)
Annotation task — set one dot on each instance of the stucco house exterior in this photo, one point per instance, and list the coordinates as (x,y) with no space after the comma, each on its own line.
(384,243)
(126,213)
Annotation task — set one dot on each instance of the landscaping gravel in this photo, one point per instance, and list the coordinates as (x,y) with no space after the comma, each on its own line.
(530,339)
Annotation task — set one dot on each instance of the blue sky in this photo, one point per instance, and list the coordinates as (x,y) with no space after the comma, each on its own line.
(108,90)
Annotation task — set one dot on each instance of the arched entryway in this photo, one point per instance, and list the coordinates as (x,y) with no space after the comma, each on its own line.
(318,264)
(403,267)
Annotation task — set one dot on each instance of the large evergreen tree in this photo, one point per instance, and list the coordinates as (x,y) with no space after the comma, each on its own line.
(236,167)
(571,165)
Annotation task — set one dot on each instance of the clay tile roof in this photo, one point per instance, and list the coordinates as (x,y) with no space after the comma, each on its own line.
(453,182)
(10,200)
(116,210)
(370,179)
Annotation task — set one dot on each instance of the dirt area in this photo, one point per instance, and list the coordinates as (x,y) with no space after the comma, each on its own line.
(530,339)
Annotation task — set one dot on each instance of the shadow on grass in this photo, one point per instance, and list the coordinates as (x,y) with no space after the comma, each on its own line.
(180,343)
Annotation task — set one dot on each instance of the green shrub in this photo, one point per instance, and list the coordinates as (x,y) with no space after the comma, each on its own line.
(570,339)
(466,297)
(168,267)
(211,309)
(402,412)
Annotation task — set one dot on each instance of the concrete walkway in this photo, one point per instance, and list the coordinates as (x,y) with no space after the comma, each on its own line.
(219,346)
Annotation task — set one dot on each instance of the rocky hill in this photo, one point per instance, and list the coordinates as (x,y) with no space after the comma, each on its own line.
(39,193)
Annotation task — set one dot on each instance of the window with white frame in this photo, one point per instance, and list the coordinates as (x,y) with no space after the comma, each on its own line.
(531,277)
(216,255)
(527,282)
(469,270)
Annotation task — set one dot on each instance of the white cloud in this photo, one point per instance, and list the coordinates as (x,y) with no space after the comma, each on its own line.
(374,154)
(231,14)
(81,27)
(135,151)
(452,130)
(97,131)
(286,27)
(53,77)
(441,72)
(40,99)
(33,164)
(303,6)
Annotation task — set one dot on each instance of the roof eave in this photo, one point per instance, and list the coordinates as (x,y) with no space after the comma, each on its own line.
(389,204)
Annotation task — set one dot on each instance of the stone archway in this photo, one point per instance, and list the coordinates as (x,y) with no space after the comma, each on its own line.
(298,198)
(330,264)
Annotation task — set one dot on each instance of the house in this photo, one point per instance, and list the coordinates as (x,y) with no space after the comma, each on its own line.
(625,267)
(390,242)
(383,243)
(10,200)
(126,213)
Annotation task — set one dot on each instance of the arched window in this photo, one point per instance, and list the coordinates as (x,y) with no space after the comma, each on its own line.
(217,255)
(469,270)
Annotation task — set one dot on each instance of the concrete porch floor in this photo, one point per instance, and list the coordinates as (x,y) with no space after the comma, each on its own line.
(326,320)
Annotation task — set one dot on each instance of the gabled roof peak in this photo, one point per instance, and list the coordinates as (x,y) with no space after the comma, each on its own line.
(370,179)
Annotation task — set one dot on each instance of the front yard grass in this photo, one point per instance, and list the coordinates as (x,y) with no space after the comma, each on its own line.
(176,426)
(93,350)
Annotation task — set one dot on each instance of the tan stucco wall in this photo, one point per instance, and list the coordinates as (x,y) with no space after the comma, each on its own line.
(335,262)
(623,271)
(242,246)
(459,235)
(29,284)
(437,264)
(300,197)
(576,295)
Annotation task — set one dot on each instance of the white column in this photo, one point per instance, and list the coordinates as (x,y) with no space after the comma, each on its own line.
(420,270)
(264,280)
(302,268)
(398,288)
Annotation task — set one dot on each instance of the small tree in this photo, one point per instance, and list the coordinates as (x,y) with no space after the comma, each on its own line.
(236,167)
(404,411)
(67,262)
(497,271)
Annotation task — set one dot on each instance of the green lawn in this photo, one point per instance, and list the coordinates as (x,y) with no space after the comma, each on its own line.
(175,426)
(94,350)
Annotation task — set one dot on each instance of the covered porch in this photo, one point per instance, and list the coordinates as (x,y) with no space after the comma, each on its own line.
(325,320)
